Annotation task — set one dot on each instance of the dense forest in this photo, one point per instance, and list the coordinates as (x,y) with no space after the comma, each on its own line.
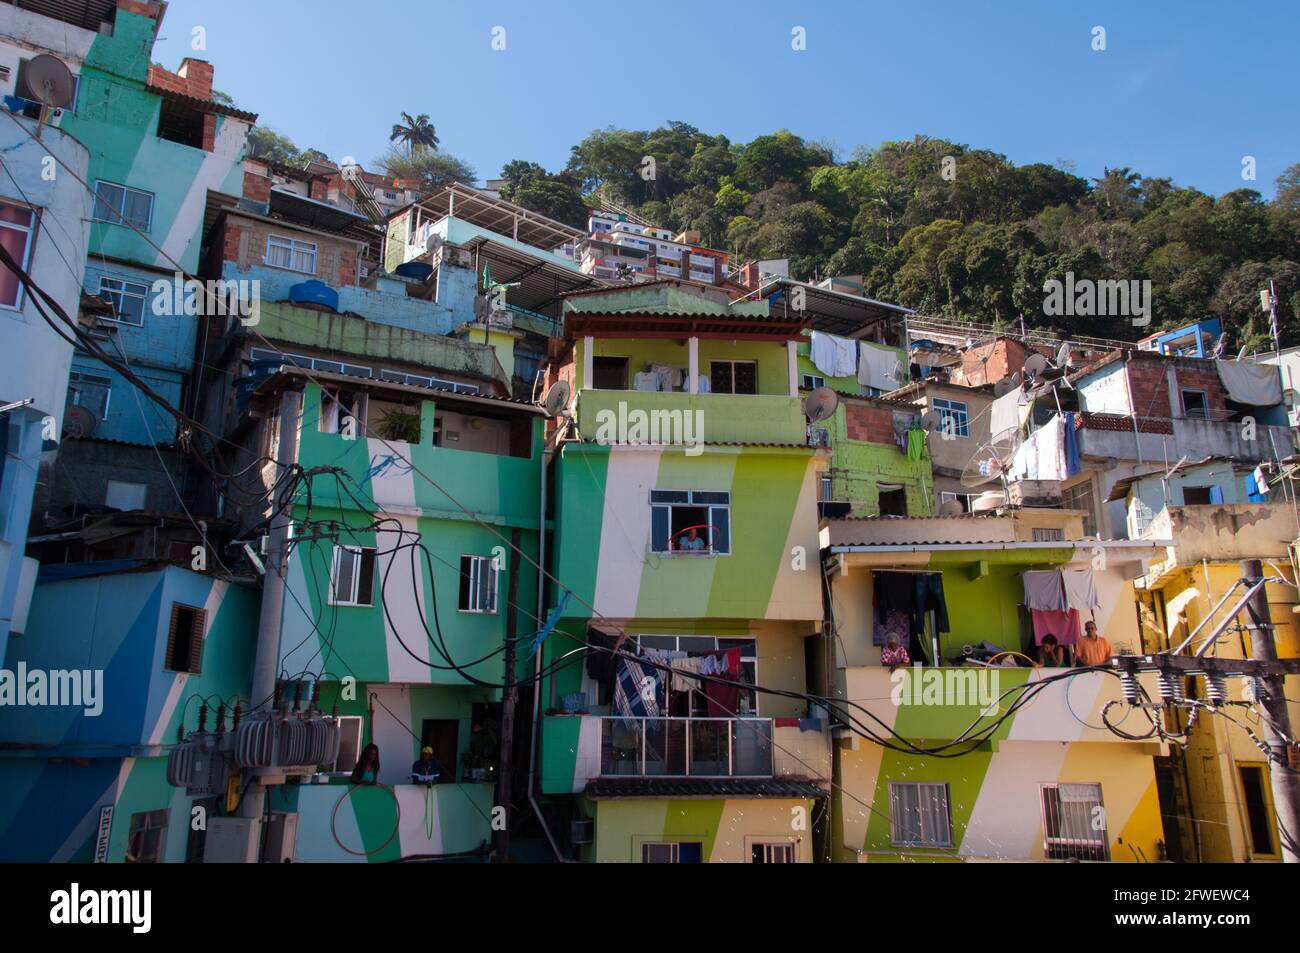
(937,226)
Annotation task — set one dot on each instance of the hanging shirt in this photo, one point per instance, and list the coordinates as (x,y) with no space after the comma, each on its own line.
(1044,590)
(833,356)
(646,380)
(1080,589)
(1063,625)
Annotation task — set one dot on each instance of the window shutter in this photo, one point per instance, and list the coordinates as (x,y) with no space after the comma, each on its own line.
(196,641)
(169,657)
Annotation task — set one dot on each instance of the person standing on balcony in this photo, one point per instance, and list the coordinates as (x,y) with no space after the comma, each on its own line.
(427,769)
(367,769)
(1093,649)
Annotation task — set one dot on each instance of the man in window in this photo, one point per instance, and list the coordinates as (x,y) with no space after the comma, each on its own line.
(1093,648)
(427,769)
(690,541)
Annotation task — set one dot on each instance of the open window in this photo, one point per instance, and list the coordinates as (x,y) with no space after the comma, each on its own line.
(1196,404)
(690,522)
(185,639)
(609,373)
(892,499)
(352,577)
(478,584)
(733,377)
(342,412)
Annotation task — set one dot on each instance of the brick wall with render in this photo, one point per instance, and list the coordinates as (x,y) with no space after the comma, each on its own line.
(1149,380)
(245,244)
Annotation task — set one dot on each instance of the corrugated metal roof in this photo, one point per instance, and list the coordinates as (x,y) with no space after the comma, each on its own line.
(704,788)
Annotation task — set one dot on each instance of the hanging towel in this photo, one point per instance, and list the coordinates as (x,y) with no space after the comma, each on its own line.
(915,444)
(682,682)
(1073,465)
(1005,412)
(670,375)
(1246,382)
(1024,463)
(1080,589)
(1044,590)
(834,356)
(877,367)
(1050,447)
(723,700)
(1063,625)
(628,698)
(1252,489)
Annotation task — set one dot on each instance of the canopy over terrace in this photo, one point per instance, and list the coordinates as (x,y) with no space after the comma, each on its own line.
(835,312)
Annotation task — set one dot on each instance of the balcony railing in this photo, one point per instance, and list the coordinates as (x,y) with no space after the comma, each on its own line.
(686,747)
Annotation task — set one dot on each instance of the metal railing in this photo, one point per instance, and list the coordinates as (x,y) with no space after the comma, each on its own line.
(686,747)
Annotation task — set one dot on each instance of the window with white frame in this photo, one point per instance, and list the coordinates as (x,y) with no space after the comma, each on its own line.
(690,522)
(1074,822)
(123,205)
(90,391)
(1048,534)
(478,584)
(919,815)
(416,380)
(352,577)
(16,229)
(779,853)
(965,499)
(733,377)
(291,253)
(127,298)
(811,382)
(954,417)
(311,363)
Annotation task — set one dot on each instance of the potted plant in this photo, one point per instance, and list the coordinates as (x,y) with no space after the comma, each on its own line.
(401,425)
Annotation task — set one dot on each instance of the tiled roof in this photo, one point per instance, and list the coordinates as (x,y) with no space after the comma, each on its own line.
(704,788)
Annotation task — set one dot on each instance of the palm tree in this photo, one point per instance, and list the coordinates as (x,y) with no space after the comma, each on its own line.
(417,132)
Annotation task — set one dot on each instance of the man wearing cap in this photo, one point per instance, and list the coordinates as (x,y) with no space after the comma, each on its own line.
(427,769)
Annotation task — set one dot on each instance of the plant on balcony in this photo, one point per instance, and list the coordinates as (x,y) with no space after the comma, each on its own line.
(401,425)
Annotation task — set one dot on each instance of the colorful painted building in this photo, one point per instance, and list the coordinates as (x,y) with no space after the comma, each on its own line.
(1042,780)
(137,649)
(697,541)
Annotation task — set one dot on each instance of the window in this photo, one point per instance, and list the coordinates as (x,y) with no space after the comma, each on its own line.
(342,412)
(674,514)
(90,391)
(125,496)
(811,382)
(1074,822)
(681,853)
(16,225)
(1254,787)
(892,499)
(965,499)
(609,373)
(127,299)
(954,417)
(771,854)
(310,363)
(733,377)
(1048,534)
(437,383)
(352,579)
(185,639)
(1196,404)
(349,744)
(120,205)
(478,584)
(918,814)
(144,843)
(1196,496)
(826,493)
(1079,497)
(291,253)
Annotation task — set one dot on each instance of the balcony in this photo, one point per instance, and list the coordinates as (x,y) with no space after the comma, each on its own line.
(710,418)
(1161,438)
(686,747)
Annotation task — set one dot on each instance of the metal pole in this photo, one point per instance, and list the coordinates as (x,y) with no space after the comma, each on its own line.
(509,698)
(266,659)
(1285,781)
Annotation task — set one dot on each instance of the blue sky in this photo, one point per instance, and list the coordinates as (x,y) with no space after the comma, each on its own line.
(1183,89)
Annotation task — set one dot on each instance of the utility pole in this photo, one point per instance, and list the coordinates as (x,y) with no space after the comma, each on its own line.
(510,696)
(1284,779)
(266,659)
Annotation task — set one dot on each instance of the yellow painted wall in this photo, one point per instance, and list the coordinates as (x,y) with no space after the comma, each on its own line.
(727,829)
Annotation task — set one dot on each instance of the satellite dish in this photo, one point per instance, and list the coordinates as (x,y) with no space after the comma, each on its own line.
(1006,385)
(557,398)
(79,421)
(951,508)
(992,461)
(49,80)
(820,404)
(434,242)
(931,420)
(1063,355)
(1035,364)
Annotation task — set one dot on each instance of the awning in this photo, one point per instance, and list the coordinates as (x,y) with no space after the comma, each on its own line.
(1259,385)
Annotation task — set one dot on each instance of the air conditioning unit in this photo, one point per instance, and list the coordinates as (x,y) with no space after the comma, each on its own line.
(582,831)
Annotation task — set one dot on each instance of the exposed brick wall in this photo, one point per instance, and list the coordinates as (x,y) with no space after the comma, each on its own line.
(1149,379)
(336,260)
(209,131)
(257,187)
(231,242)
(194,78)
(139,8)
(868,423)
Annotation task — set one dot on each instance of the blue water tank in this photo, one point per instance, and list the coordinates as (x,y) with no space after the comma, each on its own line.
(418,270)
(315,293)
